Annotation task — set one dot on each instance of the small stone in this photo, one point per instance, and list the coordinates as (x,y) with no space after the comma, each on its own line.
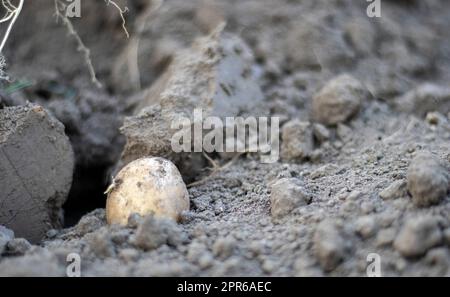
(329,245)
(433,118)
(365,226)
(395,190)
(297,140)
(427,180)
(268,266)
(286,195)
(338,100)
(417,236)
(18,247)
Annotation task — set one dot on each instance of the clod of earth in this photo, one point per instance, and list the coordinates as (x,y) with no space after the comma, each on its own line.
(145,186)
(214,75)
(417,236)
(339,100)
(427,180)
(36,167)
(329,245)
(298,141)
(423,99)
(286,195)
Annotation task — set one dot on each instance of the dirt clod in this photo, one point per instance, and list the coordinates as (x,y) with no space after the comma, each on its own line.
(417,236)
(36,168)
(427,180)
(339,100)
(286,195)
(297,140)
(154,232)
(329,245)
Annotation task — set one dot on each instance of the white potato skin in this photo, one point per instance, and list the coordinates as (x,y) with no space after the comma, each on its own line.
(144,186)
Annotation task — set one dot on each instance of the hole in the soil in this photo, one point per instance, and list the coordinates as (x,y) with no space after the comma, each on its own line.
(86,195)
(43,93)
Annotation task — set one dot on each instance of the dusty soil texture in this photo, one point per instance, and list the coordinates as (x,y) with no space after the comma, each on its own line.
(365,153)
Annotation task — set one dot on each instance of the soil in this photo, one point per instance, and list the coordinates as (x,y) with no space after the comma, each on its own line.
(376,179)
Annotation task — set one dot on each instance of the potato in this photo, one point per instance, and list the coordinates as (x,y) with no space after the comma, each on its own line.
(144,186)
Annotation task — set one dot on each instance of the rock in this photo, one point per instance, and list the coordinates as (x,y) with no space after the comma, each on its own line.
(154,232)
(417,236)
(297,140)
(338,100)
(214,75)
(144,186)
(36,168)
(395,190)
(425,98)
(329,245)
(427,180)
(286,195)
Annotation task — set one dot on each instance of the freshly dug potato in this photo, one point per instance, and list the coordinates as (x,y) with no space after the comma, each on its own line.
(147,185)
